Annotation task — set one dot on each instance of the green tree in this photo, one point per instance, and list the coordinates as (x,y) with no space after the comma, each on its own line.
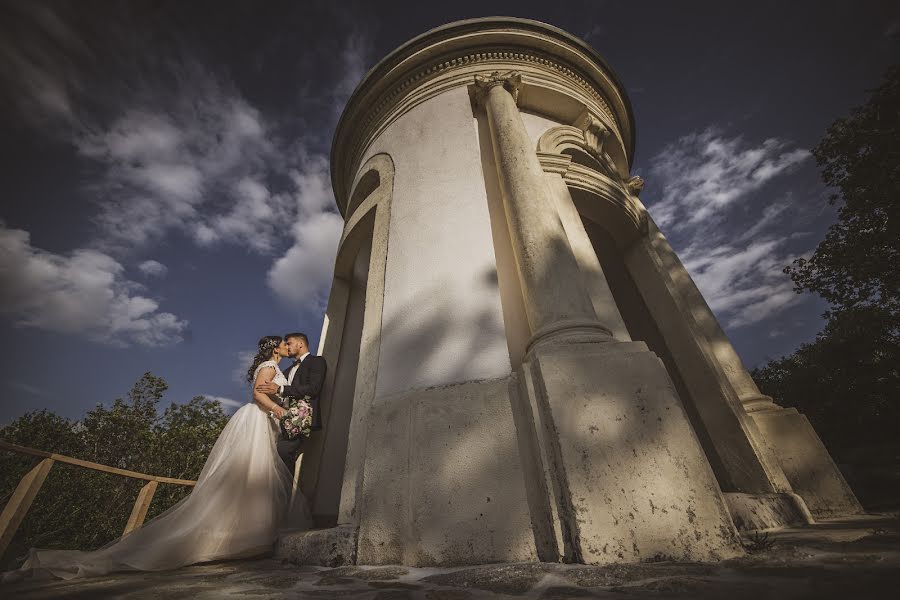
(83,509)
(856,265)
(847,381)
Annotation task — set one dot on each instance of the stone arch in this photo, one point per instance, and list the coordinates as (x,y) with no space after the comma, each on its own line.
(570,140)
(350,343)
(595,183)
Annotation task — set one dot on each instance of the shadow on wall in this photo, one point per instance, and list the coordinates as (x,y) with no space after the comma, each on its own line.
(427,343)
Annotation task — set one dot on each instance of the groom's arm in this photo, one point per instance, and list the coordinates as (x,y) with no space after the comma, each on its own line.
(316,380)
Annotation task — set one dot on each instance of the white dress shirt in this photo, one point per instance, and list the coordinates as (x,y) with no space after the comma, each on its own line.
(292,372)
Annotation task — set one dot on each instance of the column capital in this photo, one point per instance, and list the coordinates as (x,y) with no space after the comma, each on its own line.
(511,82)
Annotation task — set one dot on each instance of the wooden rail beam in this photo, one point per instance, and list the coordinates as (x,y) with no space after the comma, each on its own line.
(92,465)
(21,500)
(141,506)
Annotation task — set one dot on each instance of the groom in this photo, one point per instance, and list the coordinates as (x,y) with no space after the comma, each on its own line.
(305,378)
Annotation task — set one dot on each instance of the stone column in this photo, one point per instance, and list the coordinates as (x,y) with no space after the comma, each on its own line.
(787,450)
(557,304)
(594,279)
(748,462)
(732,366)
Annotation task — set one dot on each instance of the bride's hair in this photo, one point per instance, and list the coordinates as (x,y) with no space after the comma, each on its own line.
(265,347)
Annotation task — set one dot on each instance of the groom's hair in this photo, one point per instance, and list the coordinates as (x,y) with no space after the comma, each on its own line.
(297,335)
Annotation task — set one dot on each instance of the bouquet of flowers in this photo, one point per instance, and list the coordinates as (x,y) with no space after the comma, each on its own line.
(297,420)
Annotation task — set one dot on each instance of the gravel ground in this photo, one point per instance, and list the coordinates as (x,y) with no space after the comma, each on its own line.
(851,558)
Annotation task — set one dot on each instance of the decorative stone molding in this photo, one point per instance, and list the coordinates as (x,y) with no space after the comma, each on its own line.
(550,60)
(559,138)
(608,185)
(511,82)
(554,163)
(634,185)
(595,134)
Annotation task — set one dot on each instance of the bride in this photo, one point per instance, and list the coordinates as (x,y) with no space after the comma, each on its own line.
(234,511)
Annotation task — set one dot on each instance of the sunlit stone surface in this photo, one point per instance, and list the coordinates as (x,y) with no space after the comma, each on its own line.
(520,367)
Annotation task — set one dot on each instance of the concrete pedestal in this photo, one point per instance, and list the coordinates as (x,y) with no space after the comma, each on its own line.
(807,463)
(629,479)
(754,512)
(443,479)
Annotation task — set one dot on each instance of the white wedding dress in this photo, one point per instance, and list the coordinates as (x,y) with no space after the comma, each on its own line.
(235,510)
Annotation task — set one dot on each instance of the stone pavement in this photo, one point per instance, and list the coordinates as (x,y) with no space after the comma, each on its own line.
(851,558)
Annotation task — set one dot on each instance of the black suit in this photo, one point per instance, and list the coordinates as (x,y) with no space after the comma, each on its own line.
(308,381)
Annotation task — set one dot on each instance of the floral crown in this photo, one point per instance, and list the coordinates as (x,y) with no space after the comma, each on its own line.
(268,344)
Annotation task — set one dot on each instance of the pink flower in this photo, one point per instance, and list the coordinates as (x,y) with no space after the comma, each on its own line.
(296,430)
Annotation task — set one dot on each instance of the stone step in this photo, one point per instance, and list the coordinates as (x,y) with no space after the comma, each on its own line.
(331,547)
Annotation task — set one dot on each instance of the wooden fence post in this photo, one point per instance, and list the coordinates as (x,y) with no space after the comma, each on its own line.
(141,505)
(21,500)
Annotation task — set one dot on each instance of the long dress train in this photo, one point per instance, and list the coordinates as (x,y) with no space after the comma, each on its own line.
(234,511)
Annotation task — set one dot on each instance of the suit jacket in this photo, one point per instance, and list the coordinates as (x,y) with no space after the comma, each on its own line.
(308,381)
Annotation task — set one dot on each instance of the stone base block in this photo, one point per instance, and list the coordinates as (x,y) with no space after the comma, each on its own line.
(807,463)
(766,511)
(324,547)
(443,481)
(629,477)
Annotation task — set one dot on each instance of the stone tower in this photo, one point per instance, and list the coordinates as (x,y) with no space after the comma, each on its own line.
(520,367)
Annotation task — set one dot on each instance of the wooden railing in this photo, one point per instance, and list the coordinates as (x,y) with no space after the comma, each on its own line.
(18,505)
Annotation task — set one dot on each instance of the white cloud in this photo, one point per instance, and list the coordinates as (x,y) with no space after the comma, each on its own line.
(243,361)
(25,387)
(84,292)
(41,80)
(152,268)
(355,56)
(226,402)
(190,161)
(302,277)
(180,149)
(737,265)
(743,284)
(703,174)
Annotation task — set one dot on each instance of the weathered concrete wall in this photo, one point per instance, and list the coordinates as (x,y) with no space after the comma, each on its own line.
(326,501)
(631,479)
(715,401)
(807,463)
(537,124)
(766,511)
(443,479)
(441,300)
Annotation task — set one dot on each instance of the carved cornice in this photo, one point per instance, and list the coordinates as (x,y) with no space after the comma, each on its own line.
(589,180)
(554,163)
(449,74)
(449,57)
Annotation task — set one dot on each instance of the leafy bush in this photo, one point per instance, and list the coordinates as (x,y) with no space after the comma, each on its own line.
(83,509)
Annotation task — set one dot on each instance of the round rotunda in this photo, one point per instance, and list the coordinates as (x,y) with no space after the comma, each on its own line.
(520,367)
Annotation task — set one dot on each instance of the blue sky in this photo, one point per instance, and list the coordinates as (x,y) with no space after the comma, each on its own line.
(166,198)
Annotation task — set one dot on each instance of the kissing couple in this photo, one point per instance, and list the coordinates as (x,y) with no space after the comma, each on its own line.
(243,494)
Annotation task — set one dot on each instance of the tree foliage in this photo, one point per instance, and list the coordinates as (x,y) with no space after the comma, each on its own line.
(84,509)
(847,381)
(856,265)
